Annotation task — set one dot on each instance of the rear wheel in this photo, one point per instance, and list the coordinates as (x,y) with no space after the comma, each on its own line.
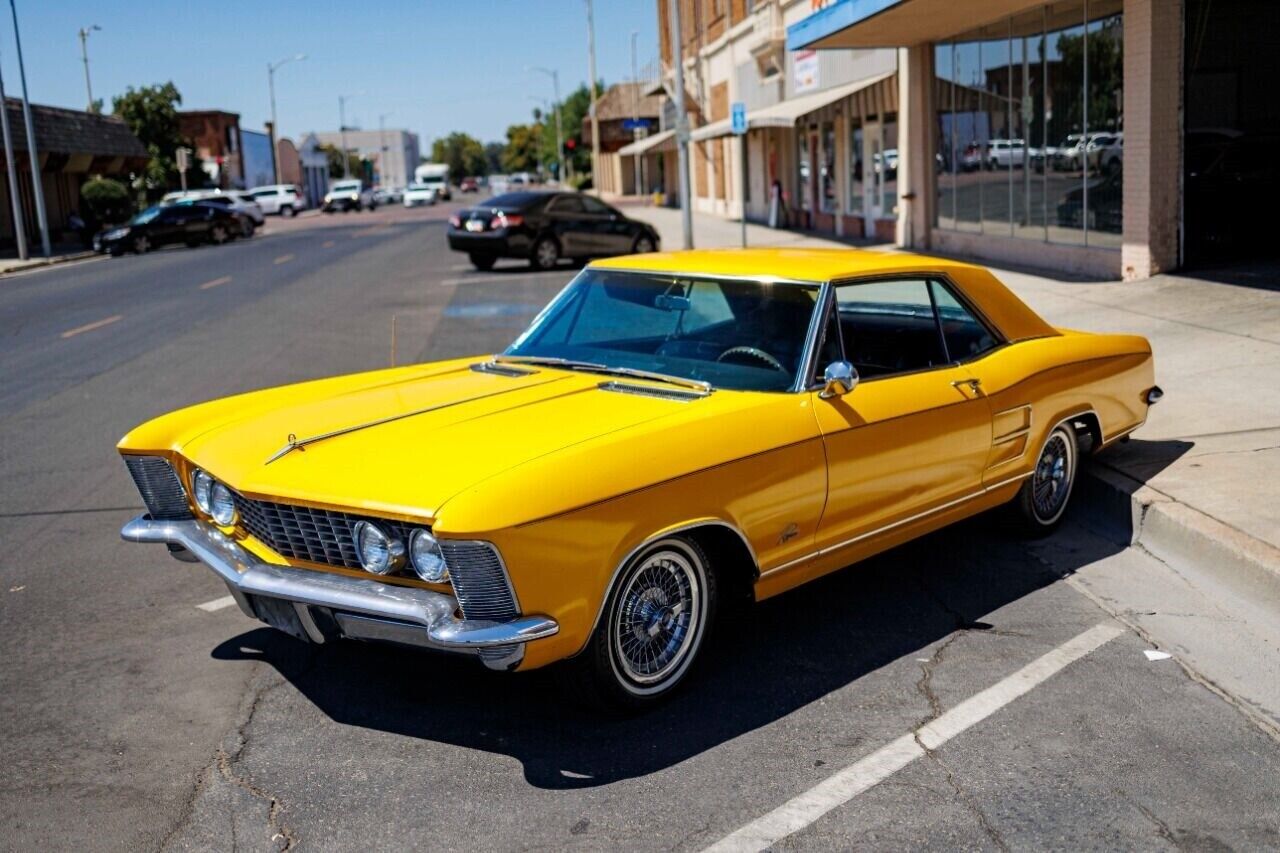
(652,629)
(481,261)
(288,211)
(643,245)
(1042,500)
(546,254)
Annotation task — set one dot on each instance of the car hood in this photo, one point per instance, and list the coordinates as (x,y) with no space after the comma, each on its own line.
(398,442)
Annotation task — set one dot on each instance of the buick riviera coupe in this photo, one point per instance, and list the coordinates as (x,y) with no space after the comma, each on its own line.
(671,432)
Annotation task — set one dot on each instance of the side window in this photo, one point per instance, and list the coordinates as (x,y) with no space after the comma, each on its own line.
(965,334)
(596,206)
(567,204)
(889,327)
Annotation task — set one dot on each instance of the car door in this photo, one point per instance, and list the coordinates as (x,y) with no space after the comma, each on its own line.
(570,224)
(914,434)
(168,226)
(611,230)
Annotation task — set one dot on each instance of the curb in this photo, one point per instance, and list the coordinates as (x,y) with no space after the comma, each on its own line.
(1214,555)
(47,262)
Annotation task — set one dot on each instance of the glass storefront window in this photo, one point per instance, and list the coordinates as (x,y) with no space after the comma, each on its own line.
(802,159)
(855,168)
(1031,126)
(890,183)
(828,173)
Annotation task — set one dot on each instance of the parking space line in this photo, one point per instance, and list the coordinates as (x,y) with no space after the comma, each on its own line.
(803,810)
(89,327)
(216,282)
(283,259)
(489,279)
(216,604)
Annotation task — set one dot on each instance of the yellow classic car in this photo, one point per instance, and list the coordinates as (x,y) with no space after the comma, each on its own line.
(671,432)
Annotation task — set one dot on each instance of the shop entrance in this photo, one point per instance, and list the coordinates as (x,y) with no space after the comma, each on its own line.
(873,153)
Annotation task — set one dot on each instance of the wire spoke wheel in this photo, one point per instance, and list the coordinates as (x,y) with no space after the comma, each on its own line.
(1051,481)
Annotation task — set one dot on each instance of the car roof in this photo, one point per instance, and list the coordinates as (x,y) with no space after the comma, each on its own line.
(789,264)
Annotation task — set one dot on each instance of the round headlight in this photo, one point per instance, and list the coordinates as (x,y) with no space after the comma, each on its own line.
(426,556)
(379,553)
(221,505)
(201,486)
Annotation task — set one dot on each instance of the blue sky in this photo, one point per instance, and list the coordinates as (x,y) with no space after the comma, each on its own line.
(435,66)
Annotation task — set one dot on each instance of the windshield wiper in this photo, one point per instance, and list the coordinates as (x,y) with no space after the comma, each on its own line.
(594,367)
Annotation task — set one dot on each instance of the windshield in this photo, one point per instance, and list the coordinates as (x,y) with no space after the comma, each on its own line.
(744,335)
(346,186)
(145,216)
(418,188)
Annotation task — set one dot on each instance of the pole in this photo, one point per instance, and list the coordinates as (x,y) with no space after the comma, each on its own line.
(595,123)
(746,176)
(84,55)
(19,230)
(37,190)
(275,156)
(382,149)
(342,131)
(635,111)
(682,128)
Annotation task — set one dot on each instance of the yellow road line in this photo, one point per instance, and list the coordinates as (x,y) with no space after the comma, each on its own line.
(283,259)
(217,281)
(89,327)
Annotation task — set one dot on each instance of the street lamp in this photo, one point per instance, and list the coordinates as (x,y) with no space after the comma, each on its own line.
(382,147)
(555,83)
(271,87)
(342,129)
(84,54)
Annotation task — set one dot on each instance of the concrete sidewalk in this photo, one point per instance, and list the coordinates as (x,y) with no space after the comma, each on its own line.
(1202,478)
(60,255)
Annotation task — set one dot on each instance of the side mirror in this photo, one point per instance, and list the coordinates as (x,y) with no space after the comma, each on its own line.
(839,379)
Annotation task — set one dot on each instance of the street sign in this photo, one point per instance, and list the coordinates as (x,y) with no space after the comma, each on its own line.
(739,113)
(635,124)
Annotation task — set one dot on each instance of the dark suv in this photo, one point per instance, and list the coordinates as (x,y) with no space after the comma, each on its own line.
(545,227)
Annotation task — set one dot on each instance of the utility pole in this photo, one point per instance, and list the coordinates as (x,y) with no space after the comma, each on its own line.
(271,88)
(682,127)
(382,148)
(37,190)
(19,230)
(84,54)
(635,110)
(342,131)
(554,74)
(595,123)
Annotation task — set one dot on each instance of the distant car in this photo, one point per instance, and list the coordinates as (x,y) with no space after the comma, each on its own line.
(245,221)
(1003,153)
(436,176)
(419,194)
(545,227)
(387,195)
(241,202)
(469,185)
(191,223)
(348,195)
(499,184)
(971,158)
(1105,152)
(281,199)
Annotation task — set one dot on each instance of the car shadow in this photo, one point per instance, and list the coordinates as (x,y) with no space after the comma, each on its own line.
(774,659)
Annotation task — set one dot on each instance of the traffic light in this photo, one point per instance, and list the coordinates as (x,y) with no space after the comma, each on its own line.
(570,145)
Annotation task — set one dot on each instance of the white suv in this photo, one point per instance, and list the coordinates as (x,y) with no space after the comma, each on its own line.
(282,199)
(1001,153)
(348,195)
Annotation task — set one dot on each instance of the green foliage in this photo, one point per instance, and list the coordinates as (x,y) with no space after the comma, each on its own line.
(493,157)
(521,151)
(360,167)
(573,111)
(106,201)
(463,154)
(151,112)
(580,180)
(1106,75)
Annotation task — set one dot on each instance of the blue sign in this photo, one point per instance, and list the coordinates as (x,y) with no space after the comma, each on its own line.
(739,117)
(635,123)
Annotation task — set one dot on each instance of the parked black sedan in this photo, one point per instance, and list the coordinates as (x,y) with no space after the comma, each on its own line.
(164,224)
(545,227)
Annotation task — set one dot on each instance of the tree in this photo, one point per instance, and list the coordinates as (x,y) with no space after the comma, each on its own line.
(574,108)
(151,112)
(493,157)
(359,167)
(462,153)
(106,201)
(521,151)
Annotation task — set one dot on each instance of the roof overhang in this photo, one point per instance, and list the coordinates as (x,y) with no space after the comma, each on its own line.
(897,23)
(642,146)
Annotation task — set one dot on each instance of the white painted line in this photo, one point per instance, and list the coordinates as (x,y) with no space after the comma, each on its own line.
(215,282)
(488,279)
(803,810)
(216,604)
(283,259)
(89,327)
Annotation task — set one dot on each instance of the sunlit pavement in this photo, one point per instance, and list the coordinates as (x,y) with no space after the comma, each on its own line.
(967,691)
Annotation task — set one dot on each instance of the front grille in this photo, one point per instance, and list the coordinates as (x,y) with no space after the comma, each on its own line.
(303,533)
(160,487)
(479,580)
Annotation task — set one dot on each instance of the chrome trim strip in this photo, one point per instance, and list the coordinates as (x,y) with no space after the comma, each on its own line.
(432,613)
(497,553)
(822,552)
(493,367)
(677,394)
(711,522)
(764,279)
(817,324)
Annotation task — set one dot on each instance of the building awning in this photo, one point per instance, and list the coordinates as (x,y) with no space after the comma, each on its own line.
(786,113)
(642,146)
(897,23)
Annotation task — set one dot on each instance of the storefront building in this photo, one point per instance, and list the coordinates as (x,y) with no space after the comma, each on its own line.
(1096,137)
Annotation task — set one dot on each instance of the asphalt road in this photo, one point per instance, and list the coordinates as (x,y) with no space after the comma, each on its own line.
(966,691)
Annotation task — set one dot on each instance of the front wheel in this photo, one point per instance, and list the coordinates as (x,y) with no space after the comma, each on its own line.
(218,234)
(247,228)
(141,244)
(654,624)
(1042,500)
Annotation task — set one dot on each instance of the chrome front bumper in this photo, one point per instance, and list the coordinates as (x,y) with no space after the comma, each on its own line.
(359,608)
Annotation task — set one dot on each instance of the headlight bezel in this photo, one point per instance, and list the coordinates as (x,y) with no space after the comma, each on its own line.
(393,558)
(431,574)
(201,490)
(222,505)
